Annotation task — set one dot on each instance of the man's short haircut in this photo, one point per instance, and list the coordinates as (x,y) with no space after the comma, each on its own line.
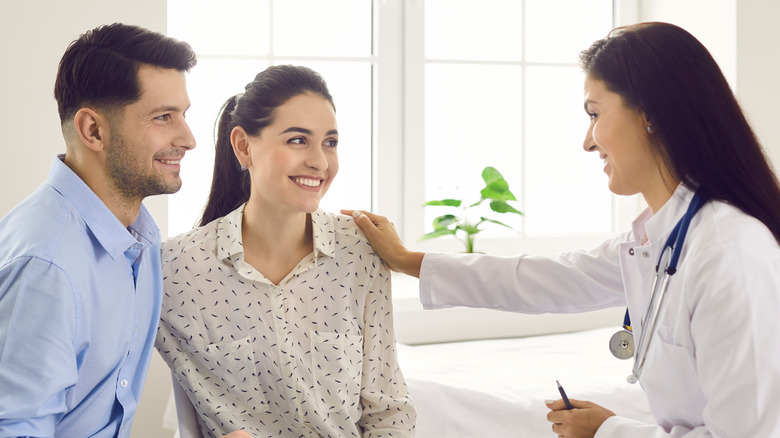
(100,68)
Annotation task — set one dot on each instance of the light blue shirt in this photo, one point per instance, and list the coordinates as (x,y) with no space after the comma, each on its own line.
(80,299)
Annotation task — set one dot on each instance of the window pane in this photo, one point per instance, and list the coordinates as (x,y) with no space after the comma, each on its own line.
(209,85)
(322,28)
(465,29)
(566,187)
(554,36)
(233,27)
(472,119)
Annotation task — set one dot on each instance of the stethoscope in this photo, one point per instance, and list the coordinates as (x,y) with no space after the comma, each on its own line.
(622,343)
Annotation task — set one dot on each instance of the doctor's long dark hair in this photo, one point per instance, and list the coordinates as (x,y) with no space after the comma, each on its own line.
(253,110)
(700,131)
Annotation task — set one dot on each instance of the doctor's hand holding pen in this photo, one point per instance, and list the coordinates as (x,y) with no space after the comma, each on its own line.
(575,419)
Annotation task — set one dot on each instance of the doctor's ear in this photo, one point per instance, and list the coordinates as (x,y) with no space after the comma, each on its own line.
(91,128)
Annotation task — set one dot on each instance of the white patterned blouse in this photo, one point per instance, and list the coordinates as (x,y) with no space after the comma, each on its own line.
(313,356)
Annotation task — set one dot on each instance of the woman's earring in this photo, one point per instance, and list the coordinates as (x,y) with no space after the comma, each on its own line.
(244,166)
(649,129)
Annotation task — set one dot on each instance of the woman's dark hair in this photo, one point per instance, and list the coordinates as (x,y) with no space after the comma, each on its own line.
(253,110)
(700,132)
(100,68)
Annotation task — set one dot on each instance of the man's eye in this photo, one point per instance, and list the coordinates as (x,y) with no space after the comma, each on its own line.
(163,118)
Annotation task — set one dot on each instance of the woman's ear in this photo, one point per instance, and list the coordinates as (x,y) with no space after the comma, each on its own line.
(92,129)
(647,123)
(240,141)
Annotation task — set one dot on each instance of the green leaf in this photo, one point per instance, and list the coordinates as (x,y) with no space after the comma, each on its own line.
(503,207)
(500,194)
(444,221)
(484,219)
(445,202)
(437,233)
(491,175)
(496,187)
(468,228)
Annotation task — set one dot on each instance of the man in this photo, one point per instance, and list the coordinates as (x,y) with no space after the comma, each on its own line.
(80,278)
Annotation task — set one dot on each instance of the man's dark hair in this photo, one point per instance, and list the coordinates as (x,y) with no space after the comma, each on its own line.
(100,68)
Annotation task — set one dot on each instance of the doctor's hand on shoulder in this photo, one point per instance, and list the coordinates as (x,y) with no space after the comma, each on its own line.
(581,422)
(385,240)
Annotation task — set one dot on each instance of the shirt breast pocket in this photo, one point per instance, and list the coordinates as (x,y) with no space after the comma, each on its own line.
(338,369)
(222,377)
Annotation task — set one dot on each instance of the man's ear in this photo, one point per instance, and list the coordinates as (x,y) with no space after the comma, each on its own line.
(240,141)
(92,128)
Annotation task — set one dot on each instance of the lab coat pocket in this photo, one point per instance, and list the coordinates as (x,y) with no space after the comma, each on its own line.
(224,374)
(670,375)
(338,368)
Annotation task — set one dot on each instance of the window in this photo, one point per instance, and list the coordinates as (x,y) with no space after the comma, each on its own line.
(427,94)
(503,87)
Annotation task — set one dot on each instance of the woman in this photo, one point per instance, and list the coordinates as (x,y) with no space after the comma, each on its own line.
(277,317)
(667,126)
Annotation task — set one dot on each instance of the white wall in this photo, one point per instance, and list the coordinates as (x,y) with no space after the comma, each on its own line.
(35,33)
(33,36)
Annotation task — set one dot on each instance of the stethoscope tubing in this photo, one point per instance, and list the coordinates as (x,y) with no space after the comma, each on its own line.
(669,258)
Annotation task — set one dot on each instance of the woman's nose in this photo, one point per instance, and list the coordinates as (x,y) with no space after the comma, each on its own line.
(316,158)
(589,144)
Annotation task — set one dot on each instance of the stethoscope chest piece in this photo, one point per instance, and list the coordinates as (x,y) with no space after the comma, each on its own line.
(621,344)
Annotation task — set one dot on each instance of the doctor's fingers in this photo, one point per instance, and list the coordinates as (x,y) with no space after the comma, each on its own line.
(581,422)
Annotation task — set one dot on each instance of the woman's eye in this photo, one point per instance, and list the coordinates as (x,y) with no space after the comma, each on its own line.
(593,116)
(332,143)
(297,140)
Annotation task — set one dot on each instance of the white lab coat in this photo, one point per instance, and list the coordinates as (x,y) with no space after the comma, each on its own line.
(713,368)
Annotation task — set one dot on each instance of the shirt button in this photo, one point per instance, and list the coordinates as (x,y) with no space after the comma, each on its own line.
(630,251)
(123,383)
(645,254)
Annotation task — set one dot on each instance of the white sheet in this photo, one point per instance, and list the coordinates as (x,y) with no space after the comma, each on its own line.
(497,388)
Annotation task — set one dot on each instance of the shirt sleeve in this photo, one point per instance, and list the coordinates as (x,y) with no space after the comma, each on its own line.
(38,325)
(573,282)
(387,408)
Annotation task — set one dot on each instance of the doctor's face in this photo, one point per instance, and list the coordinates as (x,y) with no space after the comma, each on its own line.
(619,134)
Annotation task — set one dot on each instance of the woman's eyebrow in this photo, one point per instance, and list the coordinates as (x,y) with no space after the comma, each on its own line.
(307,131)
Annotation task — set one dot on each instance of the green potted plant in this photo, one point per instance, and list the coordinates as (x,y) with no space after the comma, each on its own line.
(460,224)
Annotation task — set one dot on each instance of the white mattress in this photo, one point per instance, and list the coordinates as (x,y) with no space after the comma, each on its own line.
(496,388)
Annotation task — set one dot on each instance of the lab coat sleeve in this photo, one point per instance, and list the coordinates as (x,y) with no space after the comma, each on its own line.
(573,282)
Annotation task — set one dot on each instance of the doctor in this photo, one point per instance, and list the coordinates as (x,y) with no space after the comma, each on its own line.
(667,126)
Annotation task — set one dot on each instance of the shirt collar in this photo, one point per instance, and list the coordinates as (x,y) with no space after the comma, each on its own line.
(657,226)
(230,240)
(107,229)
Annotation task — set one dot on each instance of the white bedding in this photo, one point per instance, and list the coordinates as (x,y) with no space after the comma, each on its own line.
(497,388)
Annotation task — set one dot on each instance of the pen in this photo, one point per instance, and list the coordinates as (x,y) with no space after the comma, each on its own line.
(563,395)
